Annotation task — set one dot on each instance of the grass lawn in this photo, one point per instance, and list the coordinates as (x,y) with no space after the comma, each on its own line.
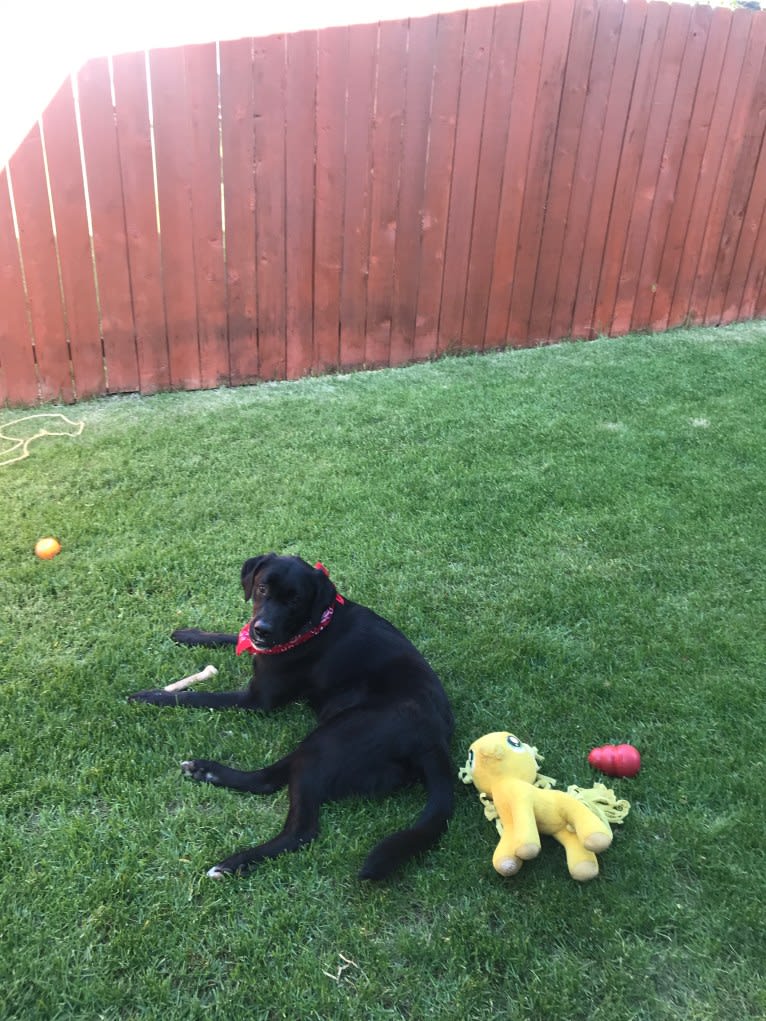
(576,538)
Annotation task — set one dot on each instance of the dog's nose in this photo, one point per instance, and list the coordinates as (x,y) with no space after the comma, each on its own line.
(260,629)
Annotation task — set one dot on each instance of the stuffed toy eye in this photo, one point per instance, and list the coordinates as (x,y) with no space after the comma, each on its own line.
(514,742)
(470,756)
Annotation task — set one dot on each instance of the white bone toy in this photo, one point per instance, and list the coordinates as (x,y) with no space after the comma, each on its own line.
(186,682)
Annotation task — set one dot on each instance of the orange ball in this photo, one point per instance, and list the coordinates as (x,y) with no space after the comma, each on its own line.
(47,548)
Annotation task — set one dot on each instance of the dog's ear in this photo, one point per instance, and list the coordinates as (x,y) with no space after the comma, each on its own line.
(249,570)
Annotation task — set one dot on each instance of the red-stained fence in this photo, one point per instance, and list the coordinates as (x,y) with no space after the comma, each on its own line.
(376,194)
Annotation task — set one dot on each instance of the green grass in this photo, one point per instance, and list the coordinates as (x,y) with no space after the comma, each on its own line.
(575,536)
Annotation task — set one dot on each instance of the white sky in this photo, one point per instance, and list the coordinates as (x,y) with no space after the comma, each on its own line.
(41,41)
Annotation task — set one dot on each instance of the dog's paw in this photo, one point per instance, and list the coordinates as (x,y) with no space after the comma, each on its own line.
(200,769)
(218,872)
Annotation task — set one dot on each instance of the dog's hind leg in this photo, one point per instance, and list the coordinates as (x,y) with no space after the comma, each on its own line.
(301,827)
(259,781)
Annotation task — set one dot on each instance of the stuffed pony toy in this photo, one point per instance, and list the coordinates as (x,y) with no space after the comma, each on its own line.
(519,798)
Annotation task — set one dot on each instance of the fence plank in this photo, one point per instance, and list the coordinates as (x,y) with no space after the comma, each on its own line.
(173,149)
(735,178)
(680,211)
(386,146)
(640,206)
(110,251)
(137,175)
(748,252)
(668,183)
(562,176)
(745,304)
(585,322)
(419,73)
(332,56)
(517,156)
(609,24)
(505,44)
(760,308)
(238,145)
(542,151)
(200,66)
(18,376)
(40,262)
(681,309)
(436,192)
(356,216)
(73,241)
(269,75)
(300,107)
(629,167)
(465,169)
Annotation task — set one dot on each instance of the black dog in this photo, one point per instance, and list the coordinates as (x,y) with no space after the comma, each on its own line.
(384,718)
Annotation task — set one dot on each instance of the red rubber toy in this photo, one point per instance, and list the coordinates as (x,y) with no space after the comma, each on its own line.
(616,759)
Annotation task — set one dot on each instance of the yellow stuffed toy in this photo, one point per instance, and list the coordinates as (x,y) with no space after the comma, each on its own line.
(518,797)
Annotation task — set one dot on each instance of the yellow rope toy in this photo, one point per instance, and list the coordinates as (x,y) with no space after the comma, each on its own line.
(18,442)
(523,805)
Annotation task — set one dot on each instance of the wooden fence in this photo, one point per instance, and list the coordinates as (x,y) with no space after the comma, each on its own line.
(376,194)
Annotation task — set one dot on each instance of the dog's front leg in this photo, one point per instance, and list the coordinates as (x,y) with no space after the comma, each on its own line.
(196,699)
(195,636)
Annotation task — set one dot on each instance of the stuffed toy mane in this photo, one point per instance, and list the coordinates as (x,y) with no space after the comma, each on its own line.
(521,802)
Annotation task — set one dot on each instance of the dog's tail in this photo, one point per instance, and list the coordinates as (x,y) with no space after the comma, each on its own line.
(394,851)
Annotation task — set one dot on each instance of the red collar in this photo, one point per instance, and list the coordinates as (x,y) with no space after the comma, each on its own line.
(245,642)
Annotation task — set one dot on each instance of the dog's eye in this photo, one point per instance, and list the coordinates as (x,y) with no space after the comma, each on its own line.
(260,589)
(513,741)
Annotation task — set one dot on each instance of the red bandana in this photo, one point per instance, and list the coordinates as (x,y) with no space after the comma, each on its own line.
(245,642)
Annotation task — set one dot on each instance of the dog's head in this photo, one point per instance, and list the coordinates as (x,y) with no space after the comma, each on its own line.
(288,596)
